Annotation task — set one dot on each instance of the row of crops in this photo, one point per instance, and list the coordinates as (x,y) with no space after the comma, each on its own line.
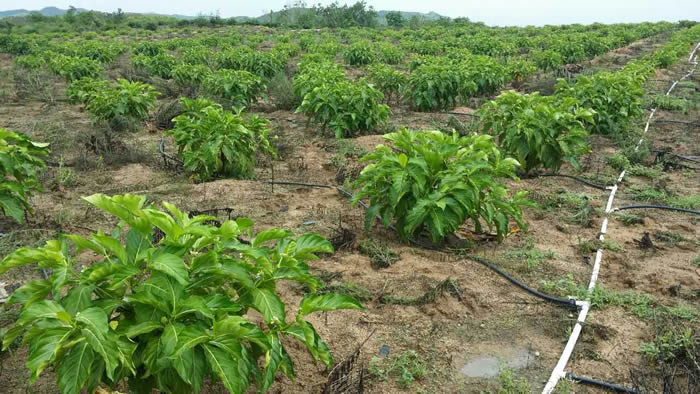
(165,305)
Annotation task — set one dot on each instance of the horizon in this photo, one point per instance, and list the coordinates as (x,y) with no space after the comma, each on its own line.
(521,13)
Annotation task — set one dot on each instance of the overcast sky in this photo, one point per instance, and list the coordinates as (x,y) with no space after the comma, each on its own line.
(492,12)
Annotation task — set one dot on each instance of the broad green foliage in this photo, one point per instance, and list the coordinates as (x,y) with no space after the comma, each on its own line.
(83,90)
(264,64)
(432,181)
(238,86)
(21,161)
(190,75)
(72,68)
(313,74)
(345,107)
(388,53)
(233,59)
(518,70)
(435,86)
(130,100)
(30,62)
(160,65)
(547,60)
(148,48)
(215,142)
(389,81)
(167,315)
(359,53)
(615,98)
(537,130)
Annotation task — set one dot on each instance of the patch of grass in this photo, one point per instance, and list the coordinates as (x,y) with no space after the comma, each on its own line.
(654,172)
(629,219)
(649,194)
(406,368)
(696,261)
(565,386)
(380,255)
(282,92)
(668,103)
(641,305)
(530,254)
(618,161)
(589,246)
(355,290)
(673,238)
(508,384)
(346,149)
(578,206)
(691,201)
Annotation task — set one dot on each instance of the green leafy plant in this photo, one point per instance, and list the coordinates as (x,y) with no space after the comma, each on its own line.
(537,130)
(190,77)
(315,73)
(359,53)
(72,68)
(21,160)
(167,314)
(435,86)
(215,142)
(388,80)
(345,107)
(83,90)
(615,99)
(239,86)
(131,100)
(160,65)
(430,180)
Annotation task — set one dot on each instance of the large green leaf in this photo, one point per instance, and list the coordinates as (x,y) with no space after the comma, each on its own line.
(327,302)
(43,350)
(170,265)
(268,304)
(74,369)
(78,298)
(30,292)
(225,366)
(269,235)
(308,244)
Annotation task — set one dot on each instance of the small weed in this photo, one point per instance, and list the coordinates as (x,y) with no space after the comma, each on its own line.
(649,194)
(669,345)
(654,172)
(529,253)
(282,92)
(691,201)
(565,386)
(629,219)
(355,290)
(346,149)
(696,261)
(578,206)
(406,368)
(668,103)
(507,383)
(590,246)
(380,254)
(65,177)
(618,161)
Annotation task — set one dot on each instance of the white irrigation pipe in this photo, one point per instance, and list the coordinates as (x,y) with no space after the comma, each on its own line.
(558,371)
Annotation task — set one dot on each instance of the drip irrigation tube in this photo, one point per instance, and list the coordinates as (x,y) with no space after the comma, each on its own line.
(594,382)
(161,149)
(661,153)
(578,179)
(558,371)
(568,303)
(656,207)
(298,184)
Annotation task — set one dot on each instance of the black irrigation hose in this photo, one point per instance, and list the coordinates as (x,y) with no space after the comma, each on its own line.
(298,184)
(657,207)
(661,153)
(568,303)
(594,382)
(161,149)
(581,180)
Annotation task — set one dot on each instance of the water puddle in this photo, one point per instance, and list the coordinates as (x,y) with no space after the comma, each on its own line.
(490,366)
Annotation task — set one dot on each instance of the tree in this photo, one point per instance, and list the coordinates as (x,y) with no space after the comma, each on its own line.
(394,19)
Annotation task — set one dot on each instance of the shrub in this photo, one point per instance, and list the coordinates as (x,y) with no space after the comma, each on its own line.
(190,77)
(20,161)
(160,65)
(29,62)
(233,59)
(130,100)
(435,86)
(167,314)
(72,68)
(281,91)
(148,48)
(312,75)
(537,130)
(518,70)
(359,53)
(547,60)
(614,97)
(238,86)
(264,64)
(346,107)
(83,90)
(388,53)
(387,80)
(434,181)
(214,142)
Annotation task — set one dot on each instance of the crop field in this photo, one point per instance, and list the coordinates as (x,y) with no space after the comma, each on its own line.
(437,208)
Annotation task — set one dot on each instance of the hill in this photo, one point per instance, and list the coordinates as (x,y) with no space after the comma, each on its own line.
(46,11)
